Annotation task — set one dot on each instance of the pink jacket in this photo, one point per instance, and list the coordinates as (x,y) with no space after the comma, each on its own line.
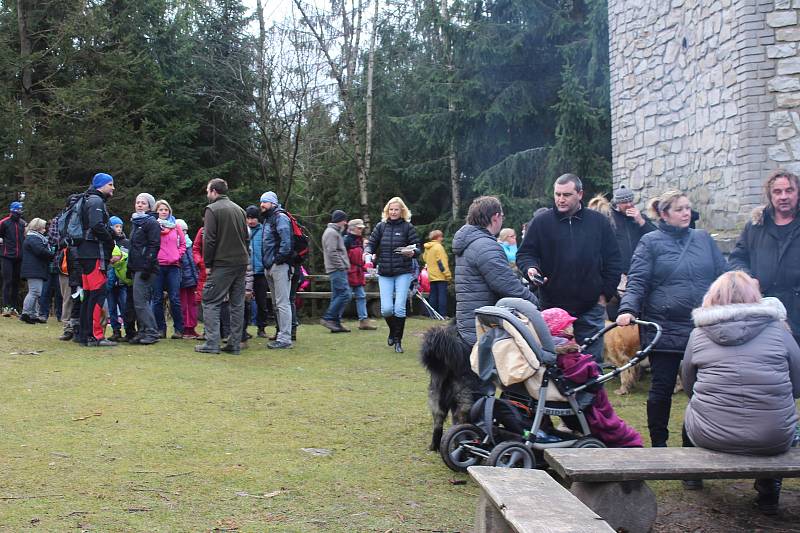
(173,244)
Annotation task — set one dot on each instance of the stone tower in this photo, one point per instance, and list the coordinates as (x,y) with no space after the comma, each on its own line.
(705,97)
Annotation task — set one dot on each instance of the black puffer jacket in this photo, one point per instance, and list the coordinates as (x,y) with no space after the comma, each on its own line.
(12,231)
(662,290)
(773,257)
(145,244)
(483,276)
(387,236)
(36,257)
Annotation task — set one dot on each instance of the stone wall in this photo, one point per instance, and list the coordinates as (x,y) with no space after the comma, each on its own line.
(704,98)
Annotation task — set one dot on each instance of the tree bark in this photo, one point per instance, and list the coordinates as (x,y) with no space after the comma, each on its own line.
(369,126)
(25,45)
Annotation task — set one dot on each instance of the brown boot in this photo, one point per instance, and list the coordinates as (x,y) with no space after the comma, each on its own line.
(367,324)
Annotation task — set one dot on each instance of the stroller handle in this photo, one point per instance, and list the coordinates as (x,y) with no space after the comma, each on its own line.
(635,360)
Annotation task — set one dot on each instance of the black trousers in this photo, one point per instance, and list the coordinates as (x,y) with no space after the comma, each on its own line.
(664,367)
(10,270)
(263,303)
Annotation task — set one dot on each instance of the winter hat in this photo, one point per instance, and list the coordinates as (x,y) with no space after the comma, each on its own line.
(622,195)
(270,197)
(151,201)
(253,211)
(15,206)
(356,223)
(338,216)
(557,320)
(113,221)
(101,180)
(182,223)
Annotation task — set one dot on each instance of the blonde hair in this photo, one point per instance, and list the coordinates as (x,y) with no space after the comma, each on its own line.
(164,203)
(601,204)
(37,225)
(435,234)
(505,233)
(734,287)
(405,213)
(664,203)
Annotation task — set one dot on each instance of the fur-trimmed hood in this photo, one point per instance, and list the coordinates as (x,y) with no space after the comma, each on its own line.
(735,324)
(757,215)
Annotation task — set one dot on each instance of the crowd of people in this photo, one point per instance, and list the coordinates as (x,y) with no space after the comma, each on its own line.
(612,262)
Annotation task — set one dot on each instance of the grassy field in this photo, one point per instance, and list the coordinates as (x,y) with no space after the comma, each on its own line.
(164,439)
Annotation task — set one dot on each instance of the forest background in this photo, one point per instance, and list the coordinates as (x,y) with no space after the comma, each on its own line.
(341,104)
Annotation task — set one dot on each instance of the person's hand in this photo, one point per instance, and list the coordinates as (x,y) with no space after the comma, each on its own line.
(625,319)
(408,253)
(602,300)
(248,295)
(536,277)
(367,258)
(208,271)
(635,214)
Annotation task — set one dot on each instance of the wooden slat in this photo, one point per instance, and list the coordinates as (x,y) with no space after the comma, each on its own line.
(532,501)
(623,464)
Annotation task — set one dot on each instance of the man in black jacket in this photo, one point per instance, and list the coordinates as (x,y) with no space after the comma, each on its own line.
(12,234)
(143,265)
(483,274)
(94,251)
(769,246)
(573,255)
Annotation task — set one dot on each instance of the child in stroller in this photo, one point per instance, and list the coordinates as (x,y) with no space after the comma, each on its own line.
(517,352)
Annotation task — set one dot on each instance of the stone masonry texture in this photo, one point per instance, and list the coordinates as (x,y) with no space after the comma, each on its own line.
(705,96)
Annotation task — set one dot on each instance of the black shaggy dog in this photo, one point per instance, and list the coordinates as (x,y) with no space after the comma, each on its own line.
(453,387)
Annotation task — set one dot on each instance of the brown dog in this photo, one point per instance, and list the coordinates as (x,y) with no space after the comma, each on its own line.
(619,345)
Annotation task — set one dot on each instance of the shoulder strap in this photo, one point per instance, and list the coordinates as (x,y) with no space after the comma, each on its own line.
(680,259)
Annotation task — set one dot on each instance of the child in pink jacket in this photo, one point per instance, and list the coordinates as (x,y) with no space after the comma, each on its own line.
(173,245)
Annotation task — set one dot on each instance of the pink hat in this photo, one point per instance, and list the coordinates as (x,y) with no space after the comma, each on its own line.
(557,320)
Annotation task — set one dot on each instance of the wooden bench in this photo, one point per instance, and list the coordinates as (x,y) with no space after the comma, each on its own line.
(611,481)
(515,499)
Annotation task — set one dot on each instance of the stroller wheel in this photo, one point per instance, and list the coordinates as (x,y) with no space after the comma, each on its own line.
(589,442)
(456,444)
(512,454)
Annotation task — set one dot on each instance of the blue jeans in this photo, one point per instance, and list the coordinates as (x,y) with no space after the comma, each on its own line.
(340,295)
(587,325)
(169,278)
(394,294)
(438,297)
(360,296)
(117,300)
(51,288)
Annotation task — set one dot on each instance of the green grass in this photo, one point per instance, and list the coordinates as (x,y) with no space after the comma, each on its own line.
(164,439)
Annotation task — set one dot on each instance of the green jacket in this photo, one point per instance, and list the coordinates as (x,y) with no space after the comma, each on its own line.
(121,266)
(225,234)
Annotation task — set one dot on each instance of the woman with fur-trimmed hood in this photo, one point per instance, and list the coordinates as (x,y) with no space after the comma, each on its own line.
(741,371)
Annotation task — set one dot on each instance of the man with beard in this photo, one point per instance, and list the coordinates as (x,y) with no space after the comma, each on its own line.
(573,255)
(483,274)
(12,234)
(769,246)
(94,252)
(276,256)
(225,245)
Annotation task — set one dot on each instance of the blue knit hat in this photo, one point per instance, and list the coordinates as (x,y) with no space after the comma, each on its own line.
(100,180)
(15,206)
(113,221)
(270,196)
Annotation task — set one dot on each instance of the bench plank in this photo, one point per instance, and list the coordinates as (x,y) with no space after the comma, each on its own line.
(624,464)
(532,501)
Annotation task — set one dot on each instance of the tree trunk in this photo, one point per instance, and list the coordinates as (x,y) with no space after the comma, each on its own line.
(455,187)
(369,127)
(25,46)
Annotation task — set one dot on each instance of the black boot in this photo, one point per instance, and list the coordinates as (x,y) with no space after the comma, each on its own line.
(657,420)
(399,326)
(390,322)
(769,492)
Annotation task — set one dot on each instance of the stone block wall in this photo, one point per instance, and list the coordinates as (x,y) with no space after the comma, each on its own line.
(705,97)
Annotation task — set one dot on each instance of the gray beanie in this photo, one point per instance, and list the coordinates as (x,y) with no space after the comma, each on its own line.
(622,195)
(151,202)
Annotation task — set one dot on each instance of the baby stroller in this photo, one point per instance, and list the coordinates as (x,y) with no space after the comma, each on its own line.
(516,352)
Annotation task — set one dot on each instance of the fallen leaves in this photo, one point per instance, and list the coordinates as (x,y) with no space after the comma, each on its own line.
(87,417)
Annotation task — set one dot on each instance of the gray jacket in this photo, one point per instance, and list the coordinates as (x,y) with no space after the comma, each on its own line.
(741,371)
(333,249)
(483,276)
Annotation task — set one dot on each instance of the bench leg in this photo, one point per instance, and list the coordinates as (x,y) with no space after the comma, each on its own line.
(488,518)
(628,505)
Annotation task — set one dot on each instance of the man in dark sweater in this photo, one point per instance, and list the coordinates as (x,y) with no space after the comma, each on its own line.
(225,254)
(573,255)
